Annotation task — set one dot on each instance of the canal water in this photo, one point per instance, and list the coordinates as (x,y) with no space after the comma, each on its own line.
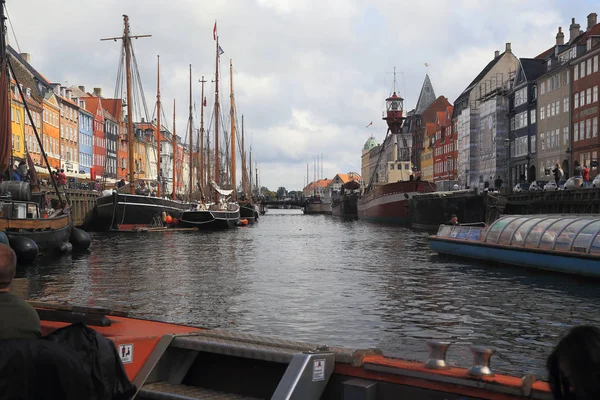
(320,280)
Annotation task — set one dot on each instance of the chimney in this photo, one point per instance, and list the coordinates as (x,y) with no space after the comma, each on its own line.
(508,50)
(560,37)
(68,92)
(98,91)
(592,20)
(573,30)
(27,57)
(82,88)
(56,88)
(63,91)
(496,54)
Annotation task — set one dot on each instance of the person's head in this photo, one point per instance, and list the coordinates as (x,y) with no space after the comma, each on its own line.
(454,219)
(62,170)
(8,266)
(585,166)
(574,365)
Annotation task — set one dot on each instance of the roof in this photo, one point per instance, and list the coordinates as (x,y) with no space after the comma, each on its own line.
(430,129)
(531,69)
(478,78)
(78,93)
(114,107)
(92,104)
(426,97)
(440,104)
(545,54)
(370,143)
(28,66)
(321,183)
(349,177)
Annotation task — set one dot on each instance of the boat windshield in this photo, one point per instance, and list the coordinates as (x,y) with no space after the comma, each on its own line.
(18,209)
(573,233)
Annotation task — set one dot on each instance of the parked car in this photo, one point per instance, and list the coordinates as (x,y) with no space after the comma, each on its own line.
(537,186)
(596,181)
(574,182)
(521,187)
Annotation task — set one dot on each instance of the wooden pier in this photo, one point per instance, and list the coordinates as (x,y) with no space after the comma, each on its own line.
(81,202)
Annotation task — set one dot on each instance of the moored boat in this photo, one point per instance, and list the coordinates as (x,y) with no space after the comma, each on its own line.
(219,215)
(561,243)
(344,204)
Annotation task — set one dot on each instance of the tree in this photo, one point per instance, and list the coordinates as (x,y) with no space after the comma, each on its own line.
(281,192)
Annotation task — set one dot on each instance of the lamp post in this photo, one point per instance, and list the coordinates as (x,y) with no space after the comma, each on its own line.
(508,174)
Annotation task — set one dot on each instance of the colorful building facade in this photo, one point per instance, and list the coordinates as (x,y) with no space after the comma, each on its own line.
(51,129)
(17,118)
(69,132)
(444,149)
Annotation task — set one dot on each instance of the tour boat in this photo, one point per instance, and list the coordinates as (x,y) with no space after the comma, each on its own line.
(169,361)
(561,243)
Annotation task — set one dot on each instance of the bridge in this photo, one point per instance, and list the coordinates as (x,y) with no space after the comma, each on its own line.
(285,203)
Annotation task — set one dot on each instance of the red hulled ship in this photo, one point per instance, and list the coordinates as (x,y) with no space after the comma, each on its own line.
(393,180)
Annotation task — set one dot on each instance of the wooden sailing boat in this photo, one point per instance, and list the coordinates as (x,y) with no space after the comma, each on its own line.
(138,209)
(30,226)
(223,213)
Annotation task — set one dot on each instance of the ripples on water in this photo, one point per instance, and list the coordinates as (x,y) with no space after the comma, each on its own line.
(321,280)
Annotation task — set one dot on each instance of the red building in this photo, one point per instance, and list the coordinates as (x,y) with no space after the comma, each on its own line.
(585,142)
(94,106)
(444,151)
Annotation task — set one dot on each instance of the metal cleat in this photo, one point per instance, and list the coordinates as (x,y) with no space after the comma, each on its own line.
(481,361)
(527,383)
(437,355)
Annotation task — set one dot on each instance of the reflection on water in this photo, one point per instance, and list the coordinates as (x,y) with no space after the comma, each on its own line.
(321,280)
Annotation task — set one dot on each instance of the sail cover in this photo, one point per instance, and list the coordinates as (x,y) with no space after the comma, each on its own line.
(5,125)
(219,190)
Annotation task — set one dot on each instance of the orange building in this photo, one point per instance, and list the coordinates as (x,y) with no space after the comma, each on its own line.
(51,129)
(69,132)
(31,142)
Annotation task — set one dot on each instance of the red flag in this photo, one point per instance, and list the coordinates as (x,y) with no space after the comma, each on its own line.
(204,101)
(215,31)
(370,123)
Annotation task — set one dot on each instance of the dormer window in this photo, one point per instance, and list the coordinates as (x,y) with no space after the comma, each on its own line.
(28,91)
(589,44)
(549,64)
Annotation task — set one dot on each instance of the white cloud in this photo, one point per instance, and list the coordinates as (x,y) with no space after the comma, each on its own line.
(311,74)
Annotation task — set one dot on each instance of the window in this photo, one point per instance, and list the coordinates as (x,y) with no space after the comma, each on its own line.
(533,143)
(543,87)
(589,66)
(595,94)
(521,120)
(575,73)
(575,100)
(520,97)
(588,96)
(575,132)
(588,128)
(582,98)
(582,69)
(595,63)
(548,111)
(542,141)
(566,104)
(567,77)
(594,126)
(581,130)
(566,136)
(532,116)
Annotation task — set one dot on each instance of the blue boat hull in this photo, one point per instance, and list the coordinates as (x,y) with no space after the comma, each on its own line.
(525,258)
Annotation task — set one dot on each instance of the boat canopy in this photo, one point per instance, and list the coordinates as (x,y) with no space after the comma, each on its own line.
(571,233)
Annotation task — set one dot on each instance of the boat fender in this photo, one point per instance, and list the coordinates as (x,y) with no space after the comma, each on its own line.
(80,239)
(4,239)
(244,222)
(25,248)
(66,248)
(175,221)
(169,219)
(163,215)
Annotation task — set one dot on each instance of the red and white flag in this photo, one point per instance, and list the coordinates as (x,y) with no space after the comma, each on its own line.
(215,31)
(370,123)
(205,101)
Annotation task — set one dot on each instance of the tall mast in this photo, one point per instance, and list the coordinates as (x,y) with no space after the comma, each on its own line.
(250,188)
(233,166)
(191,142)
(202,175)
(244,188)
(158,126)
(174,142)
(217,122)
(127,46)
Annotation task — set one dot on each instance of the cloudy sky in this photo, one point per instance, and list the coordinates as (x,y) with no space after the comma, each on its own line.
(309,74)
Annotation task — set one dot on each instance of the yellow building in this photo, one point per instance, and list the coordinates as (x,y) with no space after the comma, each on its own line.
(17,113)
(427,153)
